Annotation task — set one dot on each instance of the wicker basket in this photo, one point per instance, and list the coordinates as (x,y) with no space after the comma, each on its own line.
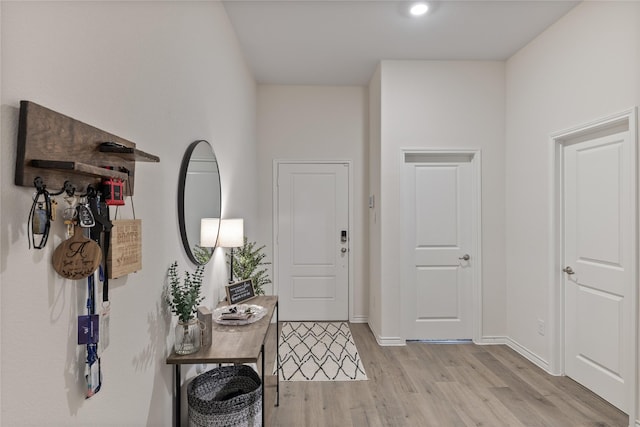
(227,396)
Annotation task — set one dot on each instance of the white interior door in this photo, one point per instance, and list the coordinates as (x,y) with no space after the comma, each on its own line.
(438,226)
(599,242)
(313,241)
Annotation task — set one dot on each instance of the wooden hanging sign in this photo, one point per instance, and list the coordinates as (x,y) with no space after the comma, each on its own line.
(77,257)
(125,250)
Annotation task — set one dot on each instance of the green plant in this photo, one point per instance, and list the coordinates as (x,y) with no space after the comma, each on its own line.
(202,255)
(183,298)
(247,261)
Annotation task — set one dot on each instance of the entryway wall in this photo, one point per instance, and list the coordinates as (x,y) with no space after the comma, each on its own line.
(316,123)
(584,67)
(435,105)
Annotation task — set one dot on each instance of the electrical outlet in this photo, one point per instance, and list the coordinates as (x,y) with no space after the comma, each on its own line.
(541,327)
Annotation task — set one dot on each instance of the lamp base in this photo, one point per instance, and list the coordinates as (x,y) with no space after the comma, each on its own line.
(231,267)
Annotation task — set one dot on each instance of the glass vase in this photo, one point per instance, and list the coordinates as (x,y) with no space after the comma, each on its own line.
(188,337)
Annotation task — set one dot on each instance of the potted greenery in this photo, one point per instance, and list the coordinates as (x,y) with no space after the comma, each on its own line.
(183,298)
(247,261)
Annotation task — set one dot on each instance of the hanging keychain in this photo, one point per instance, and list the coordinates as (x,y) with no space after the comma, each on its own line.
(70,214)
(54,209)
(85,216)
(39,216)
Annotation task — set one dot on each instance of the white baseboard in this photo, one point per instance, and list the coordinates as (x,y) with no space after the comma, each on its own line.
(492,340)
(530,356)
(359,319)
(389,341)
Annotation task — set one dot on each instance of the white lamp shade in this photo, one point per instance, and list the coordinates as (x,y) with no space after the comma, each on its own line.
(209,228)
(231,233)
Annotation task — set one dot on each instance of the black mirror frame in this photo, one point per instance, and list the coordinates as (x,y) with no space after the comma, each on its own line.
(184,167)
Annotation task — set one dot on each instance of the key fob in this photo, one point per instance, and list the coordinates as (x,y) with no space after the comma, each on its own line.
(85,216)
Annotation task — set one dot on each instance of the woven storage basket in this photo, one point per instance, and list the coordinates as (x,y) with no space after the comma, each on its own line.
(227,396)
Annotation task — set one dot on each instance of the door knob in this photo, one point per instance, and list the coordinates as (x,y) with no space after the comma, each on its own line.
(343,250)
(465,257)
(568,270)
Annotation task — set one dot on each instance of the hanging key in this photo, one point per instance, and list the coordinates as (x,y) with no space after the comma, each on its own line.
(85,216)
(54,209)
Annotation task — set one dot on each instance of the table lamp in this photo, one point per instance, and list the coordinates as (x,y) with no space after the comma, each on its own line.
(231,236)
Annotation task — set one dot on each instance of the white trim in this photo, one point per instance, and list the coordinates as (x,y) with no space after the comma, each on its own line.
(390,341)
(476,214)
(555,297)
(477,225)
(359,319)
(492,340)
(556,338)
(529,355)
(351,273)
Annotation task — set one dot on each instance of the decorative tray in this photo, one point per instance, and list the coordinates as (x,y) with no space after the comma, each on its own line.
(238,314)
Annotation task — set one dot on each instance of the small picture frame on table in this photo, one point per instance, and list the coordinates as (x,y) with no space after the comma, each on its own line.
(239,292)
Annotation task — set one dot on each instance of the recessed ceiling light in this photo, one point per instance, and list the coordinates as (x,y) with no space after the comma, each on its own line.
(419,9)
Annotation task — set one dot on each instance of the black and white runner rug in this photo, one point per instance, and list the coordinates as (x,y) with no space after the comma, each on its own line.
(318,351)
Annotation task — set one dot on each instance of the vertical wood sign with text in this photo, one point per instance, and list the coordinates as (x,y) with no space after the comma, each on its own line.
(125,251)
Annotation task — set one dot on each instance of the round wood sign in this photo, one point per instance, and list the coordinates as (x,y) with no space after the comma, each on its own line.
(77,257)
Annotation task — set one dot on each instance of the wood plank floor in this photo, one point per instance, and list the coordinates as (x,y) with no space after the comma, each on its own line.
(439,385)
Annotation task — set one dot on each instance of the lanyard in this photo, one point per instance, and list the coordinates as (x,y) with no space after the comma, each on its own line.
(101,233)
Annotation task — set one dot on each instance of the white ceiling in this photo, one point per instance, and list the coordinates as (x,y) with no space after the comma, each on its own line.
(338,42)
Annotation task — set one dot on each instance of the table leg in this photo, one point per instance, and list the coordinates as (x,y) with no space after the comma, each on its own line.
(263,378)
(277,355)
(177,402)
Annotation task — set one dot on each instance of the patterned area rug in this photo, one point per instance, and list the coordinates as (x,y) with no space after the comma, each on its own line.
(318,351)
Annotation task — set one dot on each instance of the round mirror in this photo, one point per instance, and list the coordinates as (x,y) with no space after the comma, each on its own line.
(198,198)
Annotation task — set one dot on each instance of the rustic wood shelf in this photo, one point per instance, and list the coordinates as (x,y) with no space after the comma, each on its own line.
(78,167)
(58,148)
(129,153)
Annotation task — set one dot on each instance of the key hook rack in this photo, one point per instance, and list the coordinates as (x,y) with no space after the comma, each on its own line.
(67,187)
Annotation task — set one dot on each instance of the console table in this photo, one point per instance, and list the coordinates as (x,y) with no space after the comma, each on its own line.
(233,344)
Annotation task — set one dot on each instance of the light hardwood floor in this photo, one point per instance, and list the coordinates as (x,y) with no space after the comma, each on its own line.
(439,385)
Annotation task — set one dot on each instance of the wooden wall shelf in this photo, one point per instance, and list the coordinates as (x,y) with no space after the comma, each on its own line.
(77,167)
(58,148)
(129,153)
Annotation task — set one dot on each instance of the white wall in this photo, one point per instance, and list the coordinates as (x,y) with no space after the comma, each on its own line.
(317,123)
(584,67)
(443,104)
(161,74)
(1,183)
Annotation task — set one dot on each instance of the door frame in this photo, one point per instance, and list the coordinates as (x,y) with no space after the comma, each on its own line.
(275,228)
(556,290)
(476,233)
